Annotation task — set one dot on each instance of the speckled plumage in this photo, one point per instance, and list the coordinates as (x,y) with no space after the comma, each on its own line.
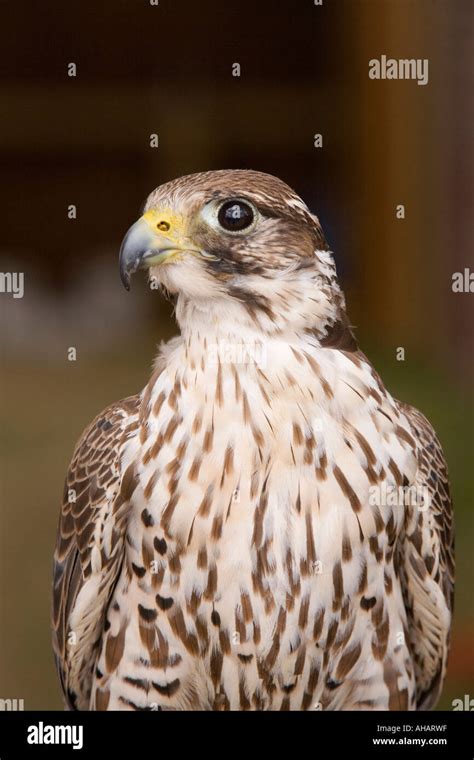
(229,543)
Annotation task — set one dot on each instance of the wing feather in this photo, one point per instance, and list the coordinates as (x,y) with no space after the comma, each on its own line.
(89,545)
(426,563)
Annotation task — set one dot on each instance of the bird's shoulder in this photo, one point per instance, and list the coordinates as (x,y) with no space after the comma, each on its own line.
(95,465)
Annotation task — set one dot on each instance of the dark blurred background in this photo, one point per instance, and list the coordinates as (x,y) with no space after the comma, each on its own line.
(143,69)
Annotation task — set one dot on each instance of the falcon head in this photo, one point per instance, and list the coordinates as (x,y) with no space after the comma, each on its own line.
(238,245)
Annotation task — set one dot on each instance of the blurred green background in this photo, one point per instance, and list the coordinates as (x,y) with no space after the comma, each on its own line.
(85,141)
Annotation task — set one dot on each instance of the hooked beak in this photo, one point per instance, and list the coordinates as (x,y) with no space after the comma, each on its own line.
(143,246)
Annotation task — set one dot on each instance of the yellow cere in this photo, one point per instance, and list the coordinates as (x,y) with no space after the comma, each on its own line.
(166,222)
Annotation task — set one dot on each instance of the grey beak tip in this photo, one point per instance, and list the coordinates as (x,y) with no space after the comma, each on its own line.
(137,243)
(125,278)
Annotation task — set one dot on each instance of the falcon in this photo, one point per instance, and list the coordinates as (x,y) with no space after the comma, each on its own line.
(262,527)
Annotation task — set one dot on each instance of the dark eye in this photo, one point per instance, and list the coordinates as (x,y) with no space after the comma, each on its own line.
(235,216)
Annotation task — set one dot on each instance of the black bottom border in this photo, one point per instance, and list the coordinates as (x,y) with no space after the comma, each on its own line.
(369,734)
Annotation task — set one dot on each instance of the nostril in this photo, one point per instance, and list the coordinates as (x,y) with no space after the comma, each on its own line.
(163,226)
